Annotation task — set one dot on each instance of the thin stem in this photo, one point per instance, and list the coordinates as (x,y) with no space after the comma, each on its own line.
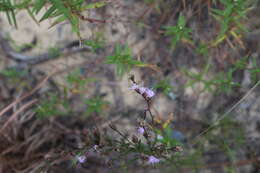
(149,110)
(121,134)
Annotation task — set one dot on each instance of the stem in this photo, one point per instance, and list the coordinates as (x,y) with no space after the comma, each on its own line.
(149,110)
(121,134)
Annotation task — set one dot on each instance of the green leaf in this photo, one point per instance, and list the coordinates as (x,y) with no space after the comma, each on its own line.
(93,5)
(32,16)
(60,6)
(48,13)
(22,5)
(75,24)
(217,11)
(123,59)
(10,12)
(58,20)
(95,105)
(38,5)
(8,17)
(181,21)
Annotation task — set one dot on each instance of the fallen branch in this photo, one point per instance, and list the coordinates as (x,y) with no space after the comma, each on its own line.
(70,48)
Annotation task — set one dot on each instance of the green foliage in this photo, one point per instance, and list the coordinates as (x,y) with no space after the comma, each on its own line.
(254,71)
(230,19)
(192,160)
(51,106)
(225,144)
(9,9)
(60,10)
(93,44)
(250,64)
(179,32)
(77,81)
(13,73)
(21,47)
(94,5)
(123,60)
(54,52)
(97,43)
(167,137)
(15,77)
(76,77)
(198,77)
(65,10)
(56,105)
(165,86)
(95,105)
(222,81)
(202,49)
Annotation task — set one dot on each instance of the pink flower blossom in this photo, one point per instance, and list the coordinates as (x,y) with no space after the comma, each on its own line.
(153,160)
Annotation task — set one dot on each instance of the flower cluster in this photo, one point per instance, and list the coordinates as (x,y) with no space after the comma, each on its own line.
(145,92)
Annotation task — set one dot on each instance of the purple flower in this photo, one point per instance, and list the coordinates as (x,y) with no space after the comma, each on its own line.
(149,93)
(142,90)
(81,159)
(153,160)
(145,92)
(140,130)
(134,87)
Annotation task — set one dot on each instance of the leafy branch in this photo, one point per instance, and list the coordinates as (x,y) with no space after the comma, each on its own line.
(61,10)
(123,60)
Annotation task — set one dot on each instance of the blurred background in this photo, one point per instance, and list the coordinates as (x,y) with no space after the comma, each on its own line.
(66,69)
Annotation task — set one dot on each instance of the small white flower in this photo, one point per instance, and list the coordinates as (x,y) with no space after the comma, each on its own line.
(153,160)
(81,159)
(95,147)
